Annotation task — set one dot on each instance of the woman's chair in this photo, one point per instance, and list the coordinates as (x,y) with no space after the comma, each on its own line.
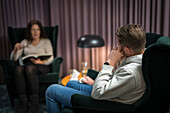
(17,35)
(156,99)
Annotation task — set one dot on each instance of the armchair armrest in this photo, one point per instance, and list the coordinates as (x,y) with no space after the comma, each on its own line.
(82,103)
(86,104)
(56,64)
(92,73)
(8,66)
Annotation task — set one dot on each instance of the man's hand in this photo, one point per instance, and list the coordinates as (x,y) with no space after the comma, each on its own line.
(115,56)
(88,80)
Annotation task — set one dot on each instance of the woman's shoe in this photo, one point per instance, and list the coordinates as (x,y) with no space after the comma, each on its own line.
(23,104)
(34,104)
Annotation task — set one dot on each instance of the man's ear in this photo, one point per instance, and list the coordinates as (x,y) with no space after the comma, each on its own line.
(128,51)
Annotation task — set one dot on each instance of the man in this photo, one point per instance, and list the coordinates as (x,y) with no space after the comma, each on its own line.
(124,85)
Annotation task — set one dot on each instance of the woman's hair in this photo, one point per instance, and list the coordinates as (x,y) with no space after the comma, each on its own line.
(132,36)
(28,32)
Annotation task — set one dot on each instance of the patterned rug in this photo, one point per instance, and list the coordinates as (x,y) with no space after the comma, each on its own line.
(5,105)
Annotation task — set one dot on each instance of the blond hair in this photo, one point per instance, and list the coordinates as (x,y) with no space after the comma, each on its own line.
(132,36)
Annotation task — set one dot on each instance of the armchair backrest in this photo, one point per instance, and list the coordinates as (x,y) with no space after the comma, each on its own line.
(155,68)
(18,34)
(151,38)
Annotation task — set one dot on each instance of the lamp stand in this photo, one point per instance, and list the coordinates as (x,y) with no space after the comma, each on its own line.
(91,58)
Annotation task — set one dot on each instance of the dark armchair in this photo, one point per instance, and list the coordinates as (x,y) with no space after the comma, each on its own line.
(156,99)
(17,35)
(151,38)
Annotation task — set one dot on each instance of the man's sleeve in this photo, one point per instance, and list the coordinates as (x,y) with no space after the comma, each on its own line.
(108,86)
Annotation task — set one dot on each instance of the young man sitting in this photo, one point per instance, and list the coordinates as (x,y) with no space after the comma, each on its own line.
(124,85)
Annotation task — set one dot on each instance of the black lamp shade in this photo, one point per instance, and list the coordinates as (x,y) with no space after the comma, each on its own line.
(90,41)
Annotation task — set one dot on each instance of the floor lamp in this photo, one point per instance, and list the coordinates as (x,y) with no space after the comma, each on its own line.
(90,41)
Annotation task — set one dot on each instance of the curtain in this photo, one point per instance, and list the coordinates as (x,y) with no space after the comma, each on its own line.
(17,13)
(80,17)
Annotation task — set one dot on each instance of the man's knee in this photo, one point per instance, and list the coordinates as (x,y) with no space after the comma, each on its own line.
(72,83)
(51,88)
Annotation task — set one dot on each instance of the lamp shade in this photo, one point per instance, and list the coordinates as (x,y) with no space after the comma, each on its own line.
(90,41)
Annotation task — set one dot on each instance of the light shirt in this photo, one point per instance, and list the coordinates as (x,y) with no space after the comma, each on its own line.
(125,85)
(44,47)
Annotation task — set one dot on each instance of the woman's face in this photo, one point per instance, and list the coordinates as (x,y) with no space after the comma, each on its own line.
(35,31)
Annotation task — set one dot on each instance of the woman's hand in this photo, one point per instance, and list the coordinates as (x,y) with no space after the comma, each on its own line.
(38,61)
(88,80)
(17,47)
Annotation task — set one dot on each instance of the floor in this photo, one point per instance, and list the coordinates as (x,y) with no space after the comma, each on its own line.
(5,105)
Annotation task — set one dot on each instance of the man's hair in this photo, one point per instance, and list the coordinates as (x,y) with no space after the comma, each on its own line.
(132,36)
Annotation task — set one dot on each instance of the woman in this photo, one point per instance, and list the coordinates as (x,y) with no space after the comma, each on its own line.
(26,80)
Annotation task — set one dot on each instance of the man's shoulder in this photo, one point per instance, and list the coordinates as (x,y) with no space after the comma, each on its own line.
(134,59)
(131,66)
